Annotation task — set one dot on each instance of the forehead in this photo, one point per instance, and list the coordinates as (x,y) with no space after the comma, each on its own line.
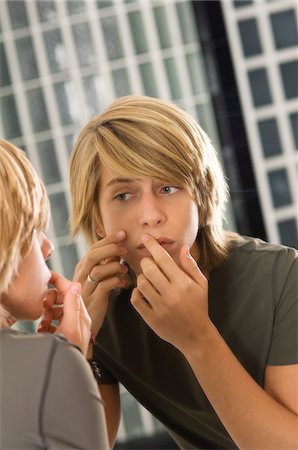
(109,177)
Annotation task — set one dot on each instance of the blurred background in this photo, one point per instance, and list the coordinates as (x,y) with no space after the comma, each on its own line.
(233,65)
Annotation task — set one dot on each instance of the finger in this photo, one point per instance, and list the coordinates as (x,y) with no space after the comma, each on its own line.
(50,299)
(154,275)
(141,306)
(161,257)
(147,291)
(61,283)
(190,266)
(103,271)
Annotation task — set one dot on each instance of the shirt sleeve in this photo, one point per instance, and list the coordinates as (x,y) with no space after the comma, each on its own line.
(71,415)
(106,377)
(283,349)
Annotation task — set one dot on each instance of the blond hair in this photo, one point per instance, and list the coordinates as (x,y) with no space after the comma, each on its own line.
(24,207)
(148,137)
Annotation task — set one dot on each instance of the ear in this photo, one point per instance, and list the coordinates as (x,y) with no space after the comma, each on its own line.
(100,231)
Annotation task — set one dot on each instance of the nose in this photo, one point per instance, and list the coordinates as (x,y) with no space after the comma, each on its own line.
(47,248)
(151,212)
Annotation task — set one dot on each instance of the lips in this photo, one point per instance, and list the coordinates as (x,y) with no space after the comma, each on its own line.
(163,241)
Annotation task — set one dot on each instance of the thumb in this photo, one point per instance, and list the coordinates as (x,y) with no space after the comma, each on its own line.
(190,266)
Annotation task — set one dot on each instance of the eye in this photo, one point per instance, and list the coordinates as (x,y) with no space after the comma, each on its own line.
(123,196)
(169,190)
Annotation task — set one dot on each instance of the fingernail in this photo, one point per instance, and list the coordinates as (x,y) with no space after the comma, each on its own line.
(120,234)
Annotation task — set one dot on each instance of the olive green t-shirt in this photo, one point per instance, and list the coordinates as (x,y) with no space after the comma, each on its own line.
(253,302)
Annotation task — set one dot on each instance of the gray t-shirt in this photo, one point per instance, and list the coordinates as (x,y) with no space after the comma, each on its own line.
(253,301)
(49,398)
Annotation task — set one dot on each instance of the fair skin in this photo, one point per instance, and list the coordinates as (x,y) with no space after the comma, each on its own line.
(160,224)
(28,295)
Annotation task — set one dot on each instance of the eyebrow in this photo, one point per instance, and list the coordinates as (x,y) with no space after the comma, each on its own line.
(121,180)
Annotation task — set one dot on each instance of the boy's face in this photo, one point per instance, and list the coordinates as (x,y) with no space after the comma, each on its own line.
(147,206)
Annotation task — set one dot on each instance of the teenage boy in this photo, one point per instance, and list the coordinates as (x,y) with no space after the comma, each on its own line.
(205,337)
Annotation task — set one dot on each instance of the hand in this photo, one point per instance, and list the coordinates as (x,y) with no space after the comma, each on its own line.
(173,301)
(65,304)
(102,265)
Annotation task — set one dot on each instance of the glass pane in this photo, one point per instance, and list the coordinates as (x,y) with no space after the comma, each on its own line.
(289,74)
(4,72)
(67,102)
(59,213)
(186,21)
(38,112)
(250,39)
(280,189)
(162,27)
(69,259)
(26,55)
(288,232)
(240,3)
(104,3)
(84,45)
(112,38)
(46,10)
(196,73)
(284,27)
(269,137)
(69,141)
(121,82)
(138,32)
(132,421)
(259,87)
(48,162)
(294,127)
(95,93)
(174,82)
(17,13)
(75,6)
(9,116)
(55,50)
(148,80)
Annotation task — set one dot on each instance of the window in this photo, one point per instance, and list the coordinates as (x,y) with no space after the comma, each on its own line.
(46,10)
(4,72)
(186,21)
(289,75)
(250,38)
(55,50)
(294,126)
(196,73)
(121,82)
(26,55)
(95,93)
(280,189)
(269,137)
(67,102)
(48,161)
(240,3)
(84,45)
(38,111)
(10,119)
(138,32)
(112,38)
(75,6)
(259,87)
(148,80)
(162,27)
(174,82)
(17,13)
(288,232)
(59,213)
(284,27)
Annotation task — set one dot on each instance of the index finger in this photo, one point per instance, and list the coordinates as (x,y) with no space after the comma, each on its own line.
(61,283)
(162,258)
